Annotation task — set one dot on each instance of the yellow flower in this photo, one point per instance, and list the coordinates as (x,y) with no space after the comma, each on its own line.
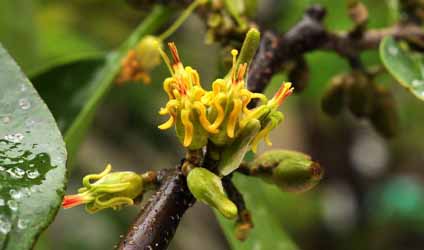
(228,102)
(185,106)
(218,115)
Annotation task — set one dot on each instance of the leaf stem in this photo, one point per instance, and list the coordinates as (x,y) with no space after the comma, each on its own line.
(184,15)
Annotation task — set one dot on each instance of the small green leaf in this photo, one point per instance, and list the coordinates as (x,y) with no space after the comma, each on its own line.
(32,160)
(267,233)
(233,154)
(75,90)
(406,70)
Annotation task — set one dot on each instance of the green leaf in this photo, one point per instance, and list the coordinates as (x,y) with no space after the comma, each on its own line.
(267,232)
(32,160)
(402,66)
(75,90)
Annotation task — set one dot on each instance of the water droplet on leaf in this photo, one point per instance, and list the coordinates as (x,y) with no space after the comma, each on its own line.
(13,205)
(24,104)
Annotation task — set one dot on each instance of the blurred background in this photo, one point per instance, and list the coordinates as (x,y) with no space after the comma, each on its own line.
(372,196)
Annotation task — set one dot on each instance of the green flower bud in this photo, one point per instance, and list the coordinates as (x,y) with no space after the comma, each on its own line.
(291,171)
(148,53)
(207,187)
(109,190)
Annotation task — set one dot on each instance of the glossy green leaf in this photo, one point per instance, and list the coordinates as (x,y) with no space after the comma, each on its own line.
(407,70)
(32,160)
(75,90)
(267,232)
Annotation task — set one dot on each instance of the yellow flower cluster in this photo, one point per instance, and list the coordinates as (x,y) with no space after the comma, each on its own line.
(219,114)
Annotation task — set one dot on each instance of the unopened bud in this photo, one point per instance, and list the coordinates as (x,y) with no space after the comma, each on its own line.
(333,100)
(291,171)
(361,94)
(384,117)
(207,187)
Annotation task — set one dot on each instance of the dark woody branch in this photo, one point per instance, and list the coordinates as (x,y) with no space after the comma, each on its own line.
(158,220)
(309,35)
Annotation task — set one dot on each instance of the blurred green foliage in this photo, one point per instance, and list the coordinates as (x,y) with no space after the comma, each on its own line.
(41,32)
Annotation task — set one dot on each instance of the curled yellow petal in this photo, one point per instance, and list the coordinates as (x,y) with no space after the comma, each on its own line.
(86,181)
(167,86)
(188,127)
(220,111)
(233,118)
(167,124)
(203,119)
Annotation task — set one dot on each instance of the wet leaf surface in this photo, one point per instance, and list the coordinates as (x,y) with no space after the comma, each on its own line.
(408,71)
(32,160)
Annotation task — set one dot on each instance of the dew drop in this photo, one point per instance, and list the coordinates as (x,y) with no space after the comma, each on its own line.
(32,174)
(15,138)
(16,194)
(29,123)
(13,205)
(5,225)
(23,87)
(24,104)
(22,224)
(16,173)
(393,51)
(6,119)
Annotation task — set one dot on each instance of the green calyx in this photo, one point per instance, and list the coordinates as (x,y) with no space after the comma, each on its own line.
(207,187)
(291,171)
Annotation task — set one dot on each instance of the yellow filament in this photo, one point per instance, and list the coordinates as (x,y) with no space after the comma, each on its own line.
(188,127)
(166,60)
(233,118)
(234,53)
